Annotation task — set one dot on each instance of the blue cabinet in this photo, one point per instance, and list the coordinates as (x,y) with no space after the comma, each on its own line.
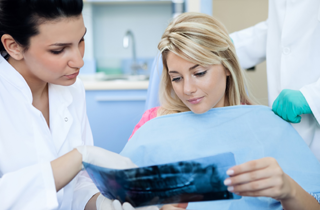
(113,115)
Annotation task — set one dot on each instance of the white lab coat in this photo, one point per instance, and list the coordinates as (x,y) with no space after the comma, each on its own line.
(27,145)
(290,42)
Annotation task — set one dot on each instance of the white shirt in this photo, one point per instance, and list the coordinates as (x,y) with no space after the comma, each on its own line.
(27,145)
(290,42)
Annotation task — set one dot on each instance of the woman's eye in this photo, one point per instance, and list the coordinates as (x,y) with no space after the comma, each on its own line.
(200,73)
(56,52)
(177,79)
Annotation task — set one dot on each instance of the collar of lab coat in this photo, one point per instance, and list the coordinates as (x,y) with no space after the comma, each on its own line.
(61,119)
(15,78)
(59,100)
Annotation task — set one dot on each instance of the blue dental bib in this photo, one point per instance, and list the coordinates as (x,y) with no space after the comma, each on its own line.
(249,132)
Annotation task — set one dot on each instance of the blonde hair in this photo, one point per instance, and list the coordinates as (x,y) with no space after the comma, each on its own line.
(202,40)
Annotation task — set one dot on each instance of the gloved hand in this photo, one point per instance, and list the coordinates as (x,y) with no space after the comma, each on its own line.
(104,158)
(290,104)
(104,203)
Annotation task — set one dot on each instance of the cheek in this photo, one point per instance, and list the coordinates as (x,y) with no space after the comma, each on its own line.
(53,64)
(215,87)
(177,88)
(82,48)
(45,64)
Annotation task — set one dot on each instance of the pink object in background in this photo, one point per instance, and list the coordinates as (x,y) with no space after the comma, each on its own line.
(148,115)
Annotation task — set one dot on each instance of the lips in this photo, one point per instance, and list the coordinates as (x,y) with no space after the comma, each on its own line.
(195,100)
(72,76)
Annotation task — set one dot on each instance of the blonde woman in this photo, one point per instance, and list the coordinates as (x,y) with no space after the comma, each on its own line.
(201,72)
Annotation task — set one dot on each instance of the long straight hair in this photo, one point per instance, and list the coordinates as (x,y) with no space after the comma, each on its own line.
(202,40)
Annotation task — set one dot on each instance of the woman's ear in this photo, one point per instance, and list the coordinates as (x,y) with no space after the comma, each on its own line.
(12,47)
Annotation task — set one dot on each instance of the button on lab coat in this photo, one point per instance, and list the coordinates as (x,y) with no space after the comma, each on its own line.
(27,145)
(290,42)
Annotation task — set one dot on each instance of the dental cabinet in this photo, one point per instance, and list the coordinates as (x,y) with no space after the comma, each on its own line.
(114,108)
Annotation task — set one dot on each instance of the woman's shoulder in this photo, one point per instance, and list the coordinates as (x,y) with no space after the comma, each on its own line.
(151,113)
(147,115)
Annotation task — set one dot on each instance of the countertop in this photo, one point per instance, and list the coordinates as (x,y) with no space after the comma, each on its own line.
(116,85)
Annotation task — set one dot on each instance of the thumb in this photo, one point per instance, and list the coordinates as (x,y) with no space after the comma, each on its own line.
(296,119)
(182,205)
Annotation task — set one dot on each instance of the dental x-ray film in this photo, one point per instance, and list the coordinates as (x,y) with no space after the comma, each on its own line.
(179,182)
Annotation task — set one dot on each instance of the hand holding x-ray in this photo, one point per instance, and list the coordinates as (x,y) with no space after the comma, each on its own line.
(107,159)
(104,158)
(262,177)
(169,183)
(179,206)
(104,203)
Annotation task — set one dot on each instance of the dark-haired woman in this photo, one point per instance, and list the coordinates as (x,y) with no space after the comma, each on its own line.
(42,110)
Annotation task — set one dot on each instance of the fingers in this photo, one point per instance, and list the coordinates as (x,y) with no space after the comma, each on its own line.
(263,177)
(251,166)
(128,206)
(288,106)
(174,207)
(269,192)
(296,119)
(256,185)
(247,177)
(117,206)
(275,106)
(148,208)
(182,205)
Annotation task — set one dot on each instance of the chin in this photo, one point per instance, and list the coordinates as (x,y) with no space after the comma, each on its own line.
(199,111)
(66,82)
(69,82)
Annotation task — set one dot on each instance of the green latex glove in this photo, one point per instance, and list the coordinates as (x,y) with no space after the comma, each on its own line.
(290,104)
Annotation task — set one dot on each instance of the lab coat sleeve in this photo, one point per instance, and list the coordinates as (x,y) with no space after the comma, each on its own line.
(316,196)
(312,94)
(85,188)
(251,44)
(31,187)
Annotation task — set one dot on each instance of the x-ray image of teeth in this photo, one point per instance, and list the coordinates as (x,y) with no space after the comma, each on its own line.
(179,182)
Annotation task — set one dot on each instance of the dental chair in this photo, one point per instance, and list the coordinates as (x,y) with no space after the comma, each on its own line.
(154,81)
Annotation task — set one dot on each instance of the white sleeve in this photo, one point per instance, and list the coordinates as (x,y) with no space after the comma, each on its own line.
(250,44)
(85,188)
(31,188)
(312,94)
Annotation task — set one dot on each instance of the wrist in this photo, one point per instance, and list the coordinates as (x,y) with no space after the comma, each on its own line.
(78,158)
(91,205)
(292,190)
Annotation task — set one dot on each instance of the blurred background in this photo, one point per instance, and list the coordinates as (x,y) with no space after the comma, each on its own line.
(121,45)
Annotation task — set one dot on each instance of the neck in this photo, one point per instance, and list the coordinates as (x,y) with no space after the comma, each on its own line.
(38,87)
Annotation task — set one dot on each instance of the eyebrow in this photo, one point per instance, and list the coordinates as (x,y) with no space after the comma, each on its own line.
(191,68)
(67,44)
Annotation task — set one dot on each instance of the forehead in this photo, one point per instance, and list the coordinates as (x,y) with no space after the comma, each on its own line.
(62,30)
(176,62)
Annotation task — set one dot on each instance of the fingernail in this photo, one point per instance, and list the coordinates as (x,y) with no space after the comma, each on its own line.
(230,172)
(230,189)
(227,182)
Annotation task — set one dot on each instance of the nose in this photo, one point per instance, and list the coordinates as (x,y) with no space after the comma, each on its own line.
(76,60)
(189,87)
